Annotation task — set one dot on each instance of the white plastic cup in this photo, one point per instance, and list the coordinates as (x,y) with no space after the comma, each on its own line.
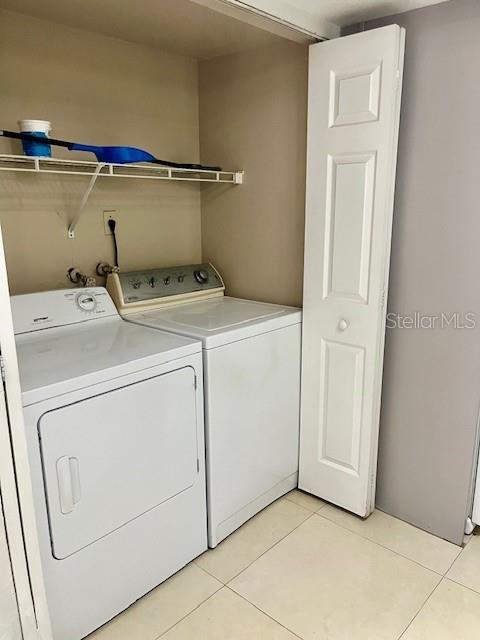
(40,128)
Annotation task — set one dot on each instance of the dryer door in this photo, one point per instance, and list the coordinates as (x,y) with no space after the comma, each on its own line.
(112,457)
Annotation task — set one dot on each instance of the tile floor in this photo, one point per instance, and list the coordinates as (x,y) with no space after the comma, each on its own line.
(305,569)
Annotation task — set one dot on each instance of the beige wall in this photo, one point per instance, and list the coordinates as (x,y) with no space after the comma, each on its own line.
(94,88)
(100,90)
(253,110)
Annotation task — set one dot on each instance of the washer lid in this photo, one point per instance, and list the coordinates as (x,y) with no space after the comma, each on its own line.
(62,359)
(220,320)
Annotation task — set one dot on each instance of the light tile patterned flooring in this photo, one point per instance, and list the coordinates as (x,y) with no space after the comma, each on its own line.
(304,569)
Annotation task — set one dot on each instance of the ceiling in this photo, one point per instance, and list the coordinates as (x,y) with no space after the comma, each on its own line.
(179,26)
(193,28)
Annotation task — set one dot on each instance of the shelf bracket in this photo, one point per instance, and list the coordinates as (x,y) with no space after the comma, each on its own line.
(86,195)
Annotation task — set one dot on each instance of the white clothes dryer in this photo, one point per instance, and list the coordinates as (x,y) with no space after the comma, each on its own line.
(251,355)
(114,422)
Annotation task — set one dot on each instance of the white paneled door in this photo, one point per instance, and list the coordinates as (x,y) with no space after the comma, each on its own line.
(353,115)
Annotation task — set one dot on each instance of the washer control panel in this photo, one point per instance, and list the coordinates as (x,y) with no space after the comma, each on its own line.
(142,286)
(34,311)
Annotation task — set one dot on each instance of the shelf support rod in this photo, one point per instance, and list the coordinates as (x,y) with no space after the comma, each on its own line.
(86,195)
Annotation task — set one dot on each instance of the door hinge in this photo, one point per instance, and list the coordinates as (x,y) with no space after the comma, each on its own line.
(195,382)
(382,298)
(2,368)
(198,465)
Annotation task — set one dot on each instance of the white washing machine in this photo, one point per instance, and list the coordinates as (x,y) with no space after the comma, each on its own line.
(114,422)
(251,355)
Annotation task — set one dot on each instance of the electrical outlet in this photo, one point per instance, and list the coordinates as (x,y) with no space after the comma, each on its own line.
(109,214)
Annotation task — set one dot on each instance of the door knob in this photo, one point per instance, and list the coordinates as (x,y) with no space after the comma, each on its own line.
(342,324)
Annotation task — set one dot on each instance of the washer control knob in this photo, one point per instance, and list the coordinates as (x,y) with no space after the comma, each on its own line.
(86,301)
(201,276)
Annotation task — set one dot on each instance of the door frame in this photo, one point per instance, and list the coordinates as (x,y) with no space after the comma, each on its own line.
(9,611)
(16,483)
(388,250)
(286,21)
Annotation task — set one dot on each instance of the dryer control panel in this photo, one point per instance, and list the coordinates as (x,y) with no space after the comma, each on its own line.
(139,290)
(34,311)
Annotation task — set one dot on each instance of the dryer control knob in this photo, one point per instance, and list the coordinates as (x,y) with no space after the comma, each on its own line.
(86,301)
(201,276)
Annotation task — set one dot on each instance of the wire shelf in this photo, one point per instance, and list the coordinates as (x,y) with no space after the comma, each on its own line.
(95,170)
(100,169)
